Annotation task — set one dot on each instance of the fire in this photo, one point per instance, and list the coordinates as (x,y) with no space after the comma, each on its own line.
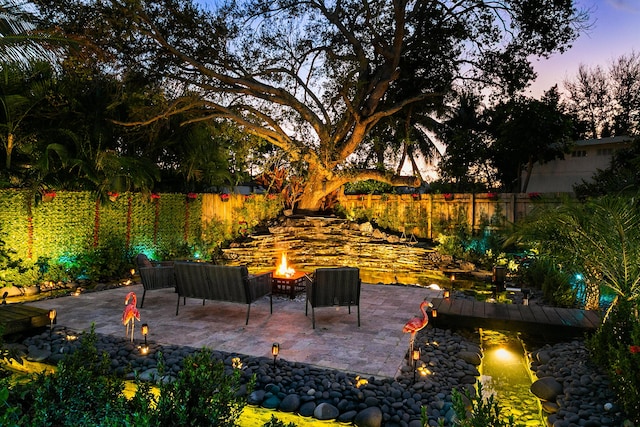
(283,270)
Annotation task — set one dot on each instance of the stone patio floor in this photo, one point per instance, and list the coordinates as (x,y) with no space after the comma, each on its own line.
(377,348)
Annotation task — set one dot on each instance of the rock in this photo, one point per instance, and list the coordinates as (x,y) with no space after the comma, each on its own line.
(307,409)
(38,355)
(370,417)
(326,411)
(290,403)
(470,357)
(546,388)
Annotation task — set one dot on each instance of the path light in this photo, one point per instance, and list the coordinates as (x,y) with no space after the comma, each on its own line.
(446,294)
(52,318)
(145,331)
(434,313)
(453,280)
(415,355)
(275,349)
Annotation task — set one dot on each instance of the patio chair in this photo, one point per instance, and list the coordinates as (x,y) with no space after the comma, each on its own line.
(333,287)
(154,275)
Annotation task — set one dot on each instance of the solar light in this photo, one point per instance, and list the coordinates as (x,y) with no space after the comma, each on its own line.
(275,350)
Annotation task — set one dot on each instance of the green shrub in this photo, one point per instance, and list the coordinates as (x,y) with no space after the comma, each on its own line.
(616,347)
(202,395)
(556,285)
(476,411)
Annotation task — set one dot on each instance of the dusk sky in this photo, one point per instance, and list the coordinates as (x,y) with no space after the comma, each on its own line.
(615,31)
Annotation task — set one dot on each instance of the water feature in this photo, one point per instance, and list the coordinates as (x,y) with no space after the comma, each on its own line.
(313,242)
(505,373)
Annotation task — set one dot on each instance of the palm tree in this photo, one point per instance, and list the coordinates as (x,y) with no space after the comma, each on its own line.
(21,41)
(599,238)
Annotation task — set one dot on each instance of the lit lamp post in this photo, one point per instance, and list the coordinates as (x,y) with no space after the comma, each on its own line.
(275,349)
(52,318)
(145,331)
(415,355)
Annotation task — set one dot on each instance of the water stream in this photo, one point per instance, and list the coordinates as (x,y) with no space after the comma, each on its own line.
(506,374)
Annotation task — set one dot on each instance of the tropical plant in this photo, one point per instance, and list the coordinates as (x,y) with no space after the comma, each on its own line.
(598,238)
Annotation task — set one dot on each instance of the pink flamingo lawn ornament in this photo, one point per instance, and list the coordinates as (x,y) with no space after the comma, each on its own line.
(416,324)
(131,313)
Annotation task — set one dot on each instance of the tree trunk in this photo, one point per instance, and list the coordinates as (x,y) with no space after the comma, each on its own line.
(525,184)
(10,138)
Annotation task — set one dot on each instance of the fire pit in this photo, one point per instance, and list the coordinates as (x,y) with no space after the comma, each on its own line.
(286,280)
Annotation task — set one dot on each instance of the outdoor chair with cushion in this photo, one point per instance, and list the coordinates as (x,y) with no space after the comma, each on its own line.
(329,287)
(154,275)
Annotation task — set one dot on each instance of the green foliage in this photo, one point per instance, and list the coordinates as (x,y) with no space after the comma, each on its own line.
(202,395)
(275,422)
(81,392)
(616,347)
(555,283)
(599,238)
(477,411)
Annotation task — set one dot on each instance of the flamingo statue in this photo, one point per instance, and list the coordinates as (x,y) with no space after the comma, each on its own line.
(131,313)
(416,324)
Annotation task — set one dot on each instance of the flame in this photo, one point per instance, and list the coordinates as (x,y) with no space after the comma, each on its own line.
(283,270)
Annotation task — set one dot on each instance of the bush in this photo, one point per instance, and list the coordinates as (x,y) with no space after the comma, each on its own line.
(201,395)
(476,411)
(556,285)
(616,348)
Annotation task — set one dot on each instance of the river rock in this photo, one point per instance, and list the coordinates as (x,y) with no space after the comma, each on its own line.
(370,417)
(326,411)
(546,388)
(290,403)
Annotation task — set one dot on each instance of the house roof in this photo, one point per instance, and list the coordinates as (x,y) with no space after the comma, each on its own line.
(610,140)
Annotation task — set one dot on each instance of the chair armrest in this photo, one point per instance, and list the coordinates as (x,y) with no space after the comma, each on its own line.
(259,284)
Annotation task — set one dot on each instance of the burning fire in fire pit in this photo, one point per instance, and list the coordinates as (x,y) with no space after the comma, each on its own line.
(283,270)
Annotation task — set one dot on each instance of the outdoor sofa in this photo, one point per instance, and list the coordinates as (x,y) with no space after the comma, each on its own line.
(208,281)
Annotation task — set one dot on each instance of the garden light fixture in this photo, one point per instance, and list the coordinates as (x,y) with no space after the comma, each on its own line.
(52,318)
(275,350)
(145,331)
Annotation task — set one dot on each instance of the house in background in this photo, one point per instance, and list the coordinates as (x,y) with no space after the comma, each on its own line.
(584,160)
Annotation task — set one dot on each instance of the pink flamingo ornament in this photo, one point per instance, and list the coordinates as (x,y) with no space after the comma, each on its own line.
(131,313)
(417,323)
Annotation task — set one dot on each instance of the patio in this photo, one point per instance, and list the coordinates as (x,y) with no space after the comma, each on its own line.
(377,348)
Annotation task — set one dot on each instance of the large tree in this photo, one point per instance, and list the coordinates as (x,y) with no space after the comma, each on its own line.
(313,78)
(607,100)
(527,131)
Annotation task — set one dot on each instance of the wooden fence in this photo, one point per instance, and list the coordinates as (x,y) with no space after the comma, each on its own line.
(425,214)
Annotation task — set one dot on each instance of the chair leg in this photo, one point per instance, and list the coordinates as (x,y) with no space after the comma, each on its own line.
(358,315)
(178,305)
(306,307)
(271,303)
(313,317)
(142,301)
(203,301)
(248,309)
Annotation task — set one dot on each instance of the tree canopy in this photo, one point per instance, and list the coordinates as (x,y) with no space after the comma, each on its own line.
(314,78)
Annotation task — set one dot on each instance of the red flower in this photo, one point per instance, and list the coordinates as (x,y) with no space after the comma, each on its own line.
(415,195)
(113,194)
(448,196)
(534,195)
(492,195)
(155,196)
(192,196)
(50,194)
(224,196)
(634,349)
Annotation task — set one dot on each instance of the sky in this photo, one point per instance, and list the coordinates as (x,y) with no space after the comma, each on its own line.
(615,31)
